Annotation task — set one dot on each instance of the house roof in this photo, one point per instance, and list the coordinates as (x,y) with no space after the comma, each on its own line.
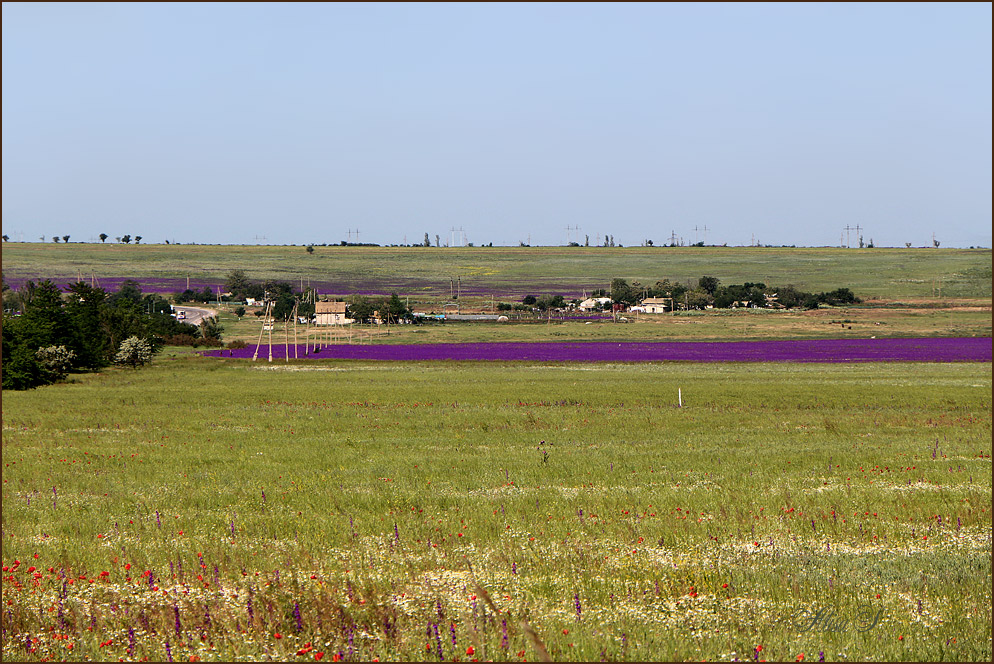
(591,301)
(329,307)
(657,300)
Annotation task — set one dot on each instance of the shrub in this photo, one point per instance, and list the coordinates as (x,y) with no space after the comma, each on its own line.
(55,360)
(237,344)
(181,340)
(134,352)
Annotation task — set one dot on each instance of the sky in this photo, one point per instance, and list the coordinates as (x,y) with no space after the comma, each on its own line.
(736,124)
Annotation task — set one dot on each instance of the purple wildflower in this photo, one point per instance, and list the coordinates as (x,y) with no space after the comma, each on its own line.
(438,641)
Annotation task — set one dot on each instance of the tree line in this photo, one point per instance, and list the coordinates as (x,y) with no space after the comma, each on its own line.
(48,334)
(710,292)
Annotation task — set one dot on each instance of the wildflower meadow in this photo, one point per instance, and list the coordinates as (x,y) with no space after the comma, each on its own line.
(207,509)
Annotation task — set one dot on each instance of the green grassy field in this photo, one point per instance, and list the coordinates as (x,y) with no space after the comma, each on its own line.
(428,511)
(424,273)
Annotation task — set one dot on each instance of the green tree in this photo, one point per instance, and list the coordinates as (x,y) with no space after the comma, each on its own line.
(310,249)
(236,282)
(698,298)
(21,368)
(85,307)
(65,238)
(547,302)
(283,308)
(395,308)
(622,292)
(708,284)
(130,290)
(103,237)
(210,328)
(46,317)
(360,308)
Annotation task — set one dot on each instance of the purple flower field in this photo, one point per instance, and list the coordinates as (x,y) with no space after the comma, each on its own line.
(964,349)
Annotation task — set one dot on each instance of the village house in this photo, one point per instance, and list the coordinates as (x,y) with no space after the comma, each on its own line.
(592,303)
(331,313)
(657,305)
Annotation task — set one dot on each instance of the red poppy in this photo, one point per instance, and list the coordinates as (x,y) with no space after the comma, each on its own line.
(470,651)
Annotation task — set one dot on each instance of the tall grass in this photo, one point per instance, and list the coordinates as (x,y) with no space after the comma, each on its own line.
(360,507)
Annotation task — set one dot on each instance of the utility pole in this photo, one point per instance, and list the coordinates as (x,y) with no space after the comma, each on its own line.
(295,356)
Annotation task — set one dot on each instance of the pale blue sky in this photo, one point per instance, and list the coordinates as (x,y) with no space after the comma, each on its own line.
(223,123)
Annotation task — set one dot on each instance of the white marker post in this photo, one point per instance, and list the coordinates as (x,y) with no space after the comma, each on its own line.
(679,396)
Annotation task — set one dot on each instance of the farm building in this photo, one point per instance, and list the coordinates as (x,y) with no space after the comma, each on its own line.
(657,305)
(330,313)
(592,303)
